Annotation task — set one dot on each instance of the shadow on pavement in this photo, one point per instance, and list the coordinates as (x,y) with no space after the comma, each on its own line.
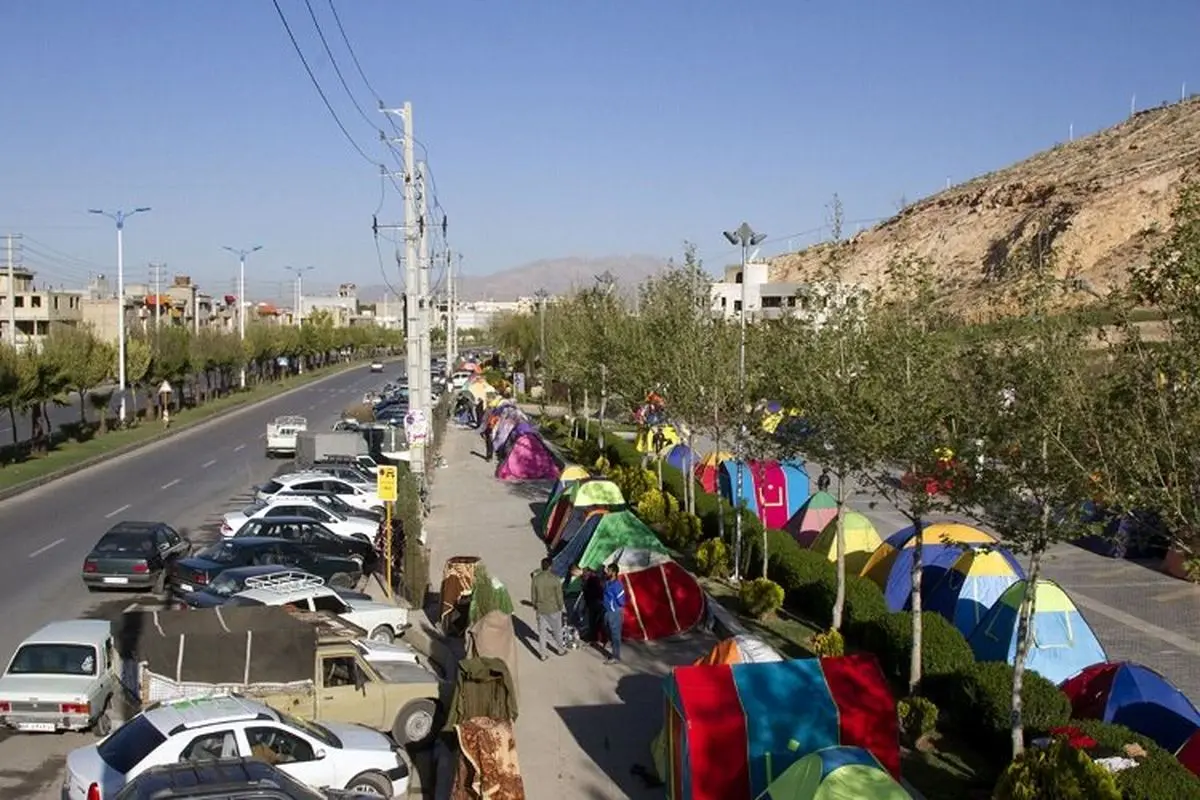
(531,490)
(525,635)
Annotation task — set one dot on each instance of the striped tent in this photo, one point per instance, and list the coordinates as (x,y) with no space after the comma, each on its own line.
(941,545)
(708,471)
(590,494)
(807,523)
(972,585)
(836,773)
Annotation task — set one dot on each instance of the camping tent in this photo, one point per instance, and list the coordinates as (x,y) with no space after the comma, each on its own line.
(647,434)
(528,459)
(861,541)
(682,458)
(571,475)
(601,536)
(1137,697)
(807,523)
(663,598)
(972,585)
(708,470)
(481,390)
(740,649)
(733,729)
(836,773)
(1063,643)
(582,497)
(942,542)
(508,420)
(773,490)
(516,430)
(1189,753)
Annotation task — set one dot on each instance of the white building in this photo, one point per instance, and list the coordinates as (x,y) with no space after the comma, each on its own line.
(766,300)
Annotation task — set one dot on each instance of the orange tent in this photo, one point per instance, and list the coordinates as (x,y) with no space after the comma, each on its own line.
(708,471)
(739,649)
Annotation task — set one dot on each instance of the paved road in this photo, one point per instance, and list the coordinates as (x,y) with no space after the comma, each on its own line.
(189,480)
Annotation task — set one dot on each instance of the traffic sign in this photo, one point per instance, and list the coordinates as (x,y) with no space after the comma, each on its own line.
(386,488)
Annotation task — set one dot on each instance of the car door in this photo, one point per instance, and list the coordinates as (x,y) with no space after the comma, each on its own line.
(211,746)
(319,539)
(291,752)
(179,545)
(349,694)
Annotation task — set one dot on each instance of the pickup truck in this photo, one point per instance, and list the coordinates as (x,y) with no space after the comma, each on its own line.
(282,434)
(320,447)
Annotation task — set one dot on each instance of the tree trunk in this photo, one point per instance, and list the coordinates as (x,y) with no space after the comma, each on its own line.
(766,554)
(839,600)
(660,477)
(12,420)
(1025,634)
(720,500)
(914,666)
(82,405)
(603,404)
(689,480)
(46,418)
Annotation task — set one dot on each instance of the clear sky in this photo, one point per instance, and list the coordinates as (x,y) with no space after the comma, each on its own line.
(568,128)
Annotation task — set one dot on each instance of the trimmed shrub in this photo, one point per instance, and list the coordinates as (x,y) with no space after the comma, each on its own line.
(918,717)
(633,481)
(712,557)
(864,601)
(652,507)
(761,597)
(681,529)
(828,643)
(943,649)
(1158,773)
(1058,771)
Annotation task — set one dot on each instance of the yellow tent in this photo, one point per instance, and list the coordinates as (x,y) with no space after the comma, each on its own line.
(645,439)
(574,472)
(862,540)
(481,390)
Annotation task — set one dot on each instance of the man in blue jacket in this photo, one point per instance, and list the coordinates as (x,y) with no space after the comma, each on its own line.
(614,611)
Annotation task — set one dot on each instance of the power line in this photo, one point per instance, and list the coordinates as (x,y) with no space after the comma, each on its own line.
(354,58)
(336,69)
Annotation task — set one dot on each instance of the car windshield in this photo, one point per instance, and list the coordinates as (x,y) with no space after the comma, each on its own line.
(124,544)
(254,508)
(54,659)
(226,585)
(220,553)
(272,487)
(129,745)
(313,729)
(329,508)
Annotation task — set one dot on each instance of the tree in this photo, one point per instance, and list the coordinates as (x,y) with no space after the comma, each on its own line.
(10,384)
(517,335)
(39,380)
(138,357)
(82,360)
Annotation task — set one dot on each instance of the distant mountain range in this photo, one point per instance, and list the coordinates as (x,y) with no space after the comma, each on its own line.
(557,276)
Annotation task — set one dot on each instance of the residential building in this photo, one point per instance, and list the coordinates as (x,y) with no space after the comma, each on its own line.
(772,300)
(181,303)
(341,306)
(34,310)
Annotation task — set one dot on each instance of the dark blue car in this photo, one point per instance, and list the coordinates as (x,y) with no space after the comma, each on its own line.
(196,572)
(232,581)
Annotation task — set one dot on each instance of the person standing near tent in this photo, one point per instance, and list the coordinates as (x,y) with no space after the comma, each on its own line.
(614,611)
(489,447)
(823,481)
(546,594)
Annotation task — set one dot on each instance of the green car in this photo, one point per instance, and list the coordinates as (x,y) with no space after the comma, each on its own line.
(134,555)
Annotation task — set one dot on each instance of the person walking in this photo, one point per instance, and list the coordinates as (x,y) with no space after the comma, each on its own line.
(823,481)
(546,594)
(614,611)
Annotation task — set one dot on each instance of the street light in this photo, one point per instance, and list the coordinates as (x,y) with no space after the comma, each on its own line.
(241,298)
(299,273)
(605,282)
(745,238)
(541,295)
(119,217)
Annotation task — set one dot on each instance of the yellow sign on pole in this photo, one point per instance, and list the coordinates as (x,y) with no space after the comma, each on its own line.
(388,546)
(386,488)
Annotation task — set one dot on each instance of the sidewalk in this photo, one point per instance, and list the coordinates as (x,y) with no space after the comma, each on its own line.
(582,725)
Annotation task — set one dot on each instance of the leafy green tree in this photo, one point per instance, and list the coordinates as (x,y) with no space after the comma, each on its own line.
(83,361)
(138,356)
(517,336)
(10,385)
(40,380)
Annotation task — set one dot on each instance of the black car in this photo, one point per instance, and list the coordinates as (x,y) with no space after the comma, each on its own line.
(312,536)
(196,572)
(222,779)
(133,555)
(232,581)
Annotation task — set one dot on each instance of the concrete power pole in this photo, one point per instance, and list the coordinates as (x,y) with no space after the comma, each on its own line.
(156,276)
(449,314)
(412,286)
(426,396)
(12,289)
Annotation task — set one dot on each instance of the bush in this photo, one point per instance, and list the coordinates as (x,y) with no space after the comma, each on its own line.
(864,601)
(1158,773)
(761,597)
(1058,771)
(682,531)
(943,649)
(979,701)
(918,717)
(634,482)
(652,507)
(712,557)
(828,643)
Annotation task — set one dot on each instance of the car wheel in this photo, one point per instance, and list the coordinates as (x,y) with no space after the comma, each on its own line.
(372,784)
(343,580)
(102,726)
(383,634)
(357,559)
(414,723)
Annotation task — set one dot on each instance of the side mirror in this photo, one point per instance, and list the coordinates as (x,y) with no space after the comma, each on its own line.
(319,755)
(360,680)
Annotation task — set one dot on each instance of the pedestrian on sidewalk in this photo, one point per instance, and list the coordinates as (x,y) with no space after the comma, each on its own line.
(614,611)
(823,481)
(546,594)
(489,446)
(593,604)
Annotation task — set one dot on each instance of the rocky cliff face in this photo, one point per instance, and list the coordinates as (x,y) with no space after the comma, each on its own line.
(1096,206)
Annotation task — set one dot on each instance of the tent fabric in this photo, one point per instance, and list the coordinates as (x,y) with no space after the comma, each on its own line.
(644,443)
(582,518)
(522,428)
(836,773)
(707,472)
(487,764)
(564,482)
(601,536)
(663,598)
(807,523)
(583,496)
(528,460)
(740,649)
(972,585)
(861,541)
(492,636)
(733,729)
(1063,643)
(481,389)
(682,458)
(574,472)
(773,490)
(1189,753)
(1129,694)
(942,542)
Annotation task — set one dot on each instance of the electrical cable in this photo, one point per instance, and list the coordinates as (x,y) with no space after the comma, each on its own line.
(346,40)
(336,69)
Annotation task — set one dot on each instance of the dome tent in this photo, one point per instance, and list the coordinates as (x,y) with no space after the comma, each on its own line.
(972,586)
(1129,694)
(836,773)
(941,544)
(807,523)
(663,598)
(861,541)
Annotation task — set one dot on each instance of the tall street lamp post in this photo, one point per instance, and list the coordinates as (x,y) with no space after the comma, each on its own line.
(241,300)
(744,237)
(119,217)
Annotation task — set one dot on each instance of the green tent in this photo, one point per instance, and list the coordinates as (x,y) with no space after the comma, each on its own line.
(590,493)
(606,534)
(836,773)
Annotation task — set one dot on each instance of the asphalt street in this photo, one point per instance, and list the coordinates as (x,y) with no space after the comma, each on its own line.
(189,481)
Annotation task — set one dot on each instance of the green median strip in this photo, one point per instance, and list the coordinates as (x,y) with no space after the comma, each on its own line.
(70,456)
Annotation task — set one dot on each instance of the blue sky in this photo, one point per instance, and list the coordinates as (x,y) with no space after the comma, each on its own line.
(570,128)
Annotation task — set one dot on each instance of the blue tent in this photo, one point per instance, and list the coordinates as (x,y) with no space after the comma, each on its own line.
(972,586)
(773,490)
(1125,693)
(890,566)
(1063,643)
(682,458)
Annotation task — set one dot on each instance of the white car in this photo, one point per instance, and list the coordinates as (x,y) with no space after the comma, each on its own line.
(376,366)
(310,507)
(353,494)
(320,755)
(383,622)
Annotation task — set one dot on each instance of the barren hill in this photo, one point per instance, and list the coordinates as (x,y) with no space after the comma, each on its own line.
(1100,204)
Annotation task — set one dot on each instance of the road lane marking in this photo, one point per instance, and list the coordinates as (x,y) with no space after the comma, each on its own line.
(169,484)
(239,447)
(208,464)
(112,514)
(41,550)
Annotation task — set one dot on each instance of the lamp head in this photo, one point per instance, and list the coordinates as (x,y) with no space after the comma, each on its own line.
(757,239)
(140,210)
(95,211)
(731,237)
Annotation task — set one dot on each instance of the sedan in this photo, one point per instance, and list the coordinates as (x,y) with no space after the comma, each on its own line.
(342,525)
(312,536)
(192,574)
(133,555)
(232,581)
(376,366)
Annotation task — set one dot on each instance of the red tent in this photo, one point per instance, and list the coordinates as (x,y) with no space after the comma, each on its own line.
(663,598)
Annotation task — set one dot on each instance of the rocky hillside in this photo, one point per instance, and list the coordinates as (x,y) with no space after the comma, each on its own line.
(1097,205)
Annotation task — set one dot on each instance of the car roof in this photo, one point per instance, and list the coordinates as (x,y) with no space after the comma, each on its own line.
(298,477)
(221,778)
(175,716)
(288,520)
(83,631)
(135,526)
(246,541)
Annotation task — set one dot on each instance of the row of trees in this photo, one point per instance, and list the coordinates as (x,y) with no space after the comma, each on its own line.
(73,360)
(1043,409)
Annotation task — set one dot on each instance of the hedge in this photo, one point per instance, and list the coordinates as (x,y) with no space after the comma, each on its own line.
(944,651)
(1157,775)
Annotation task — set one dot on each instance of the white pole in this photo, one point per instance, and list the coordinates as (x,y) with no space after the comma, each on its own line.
(425,396)
(241,301)
(121,316)
(412,283)
(12,298)
(738,500)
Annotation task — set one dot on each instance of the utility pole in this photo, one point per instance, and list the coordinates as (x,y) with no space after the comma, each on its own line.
(541,295)
(156,274)
(12,290)
(241,298)
(426,395)
(299,273)
(449,315)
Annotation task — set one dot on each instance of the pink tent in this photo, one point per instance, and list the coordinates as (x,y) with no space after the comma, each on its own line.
(528,460)
(807,523)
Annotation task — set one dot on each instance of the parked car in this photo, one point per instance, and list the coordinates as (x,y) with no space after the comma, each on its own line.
(281,435)
(351,473)
(344,526)
(201,729)
(384,622)
(224,779)
(312,536)
(133,555)
(232,581)
(61,678)
(331,501)
(356,495)
(200,570)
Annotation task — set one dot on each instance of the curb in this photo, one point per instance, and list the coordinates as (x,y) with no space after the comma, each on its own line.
(33,483)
